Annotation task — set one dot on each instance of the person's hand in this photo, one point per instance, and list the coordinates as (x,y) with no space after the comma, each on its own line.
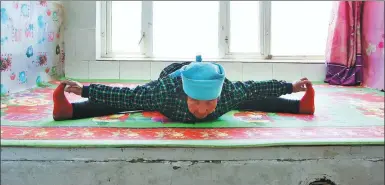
(73,87)
(301,85)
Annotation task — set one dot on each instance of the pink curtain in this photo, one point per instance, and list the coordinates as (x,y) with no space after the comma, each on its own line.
(343,50)
(373,44)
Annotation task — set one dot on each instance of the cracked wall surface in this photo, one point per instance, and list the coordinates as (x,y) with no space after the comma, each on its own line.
(265,166)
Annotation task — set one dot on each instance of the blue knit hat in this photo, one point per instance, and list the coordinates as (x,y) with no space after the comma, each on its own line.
(203,80)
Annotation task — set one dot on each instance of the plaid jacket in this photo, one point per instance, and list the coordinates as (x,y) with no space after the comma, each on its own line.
(166,95)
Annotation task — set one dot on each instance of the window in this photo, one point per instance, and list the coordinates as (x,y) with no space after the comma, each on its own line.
(186,29)
(214,29)
(126,26)
(299,27)
(244,27)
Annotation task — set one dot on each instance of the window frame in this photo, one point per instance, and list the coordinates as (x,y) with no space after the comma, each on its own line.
(146,46)
(106,31)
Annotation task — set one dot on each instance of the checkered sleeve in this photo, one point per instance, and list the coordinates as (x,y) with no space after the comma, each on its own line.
(145,97)
(263,89)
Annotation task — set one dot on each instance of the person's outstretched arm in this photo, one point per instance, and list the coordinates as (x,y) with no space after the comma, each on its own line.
(269,88)
(146,97)
(143,97)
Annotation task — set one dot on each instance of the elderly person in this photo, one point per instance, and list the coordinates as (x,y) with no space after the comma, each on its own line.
(185,92)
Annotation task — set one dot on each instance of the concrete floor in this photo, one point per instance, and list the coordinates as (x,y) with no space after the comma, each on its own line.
(343,165)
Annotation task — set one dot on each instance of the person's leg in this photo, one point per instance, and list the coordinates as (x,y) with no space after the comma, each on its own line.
(64,110)
(272,105)
(303,106)
(88,109)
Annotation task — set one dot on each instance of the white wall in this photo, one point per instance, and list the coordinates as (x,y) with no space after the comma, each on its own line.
(80,45)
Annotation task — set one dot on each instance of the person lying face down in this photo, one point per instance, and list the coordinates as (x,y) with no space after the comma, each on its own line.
(188,92)
(202,82)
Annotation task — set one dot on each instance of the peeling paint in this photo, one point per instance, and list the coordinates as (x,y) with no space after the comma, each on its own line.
(176,167)
(328,153)
(322,181)
(376,160)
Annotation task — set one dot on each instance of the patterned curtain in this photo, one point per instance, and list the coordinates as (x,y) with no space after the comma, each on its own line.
(343,50)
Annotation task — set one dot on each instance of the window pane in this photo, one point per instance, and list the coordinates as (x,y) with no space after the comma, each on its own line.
(299,27)
(126,26)
(244,26)
(185,28)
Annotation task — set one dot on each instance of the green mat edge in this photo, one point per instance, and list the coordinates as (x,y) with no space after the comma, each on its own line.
(179,143)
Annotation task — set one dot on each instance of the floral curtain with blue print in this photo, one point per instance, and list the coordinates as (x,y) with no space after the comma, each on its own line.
(32,44)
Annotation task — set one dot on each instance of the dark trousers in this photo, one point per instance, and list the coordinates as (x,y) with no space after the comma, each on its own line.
(88,109)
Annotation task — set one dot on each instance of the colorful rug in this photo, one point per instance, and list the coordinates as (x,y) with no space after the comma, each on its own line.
(344,115)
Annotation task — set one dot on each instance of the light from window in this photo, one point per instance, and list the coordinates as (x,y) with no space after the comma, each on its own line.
(299,27)
(126,26)
(182,29)
(244,27)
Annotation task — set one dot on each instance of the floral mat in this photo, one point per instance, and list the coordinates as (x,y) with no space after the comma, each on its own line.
(344,115)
